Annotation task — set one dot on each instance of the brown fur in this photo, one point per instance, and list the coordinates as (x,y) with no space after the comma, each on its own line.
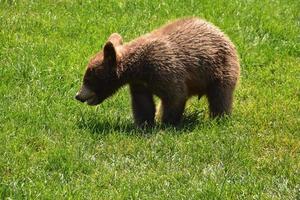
(185,58)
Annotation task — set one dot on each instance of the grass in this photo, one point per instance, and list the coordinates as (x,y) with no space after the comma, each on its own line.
(53,147)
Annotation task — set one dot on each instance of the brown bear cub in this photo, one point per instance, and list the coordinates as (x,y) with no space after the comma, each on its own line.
(185,58)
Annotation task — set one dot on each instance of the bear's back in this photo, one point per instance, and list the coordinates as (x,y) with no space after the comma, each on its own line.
(191,48)
(189,30)
(194,38)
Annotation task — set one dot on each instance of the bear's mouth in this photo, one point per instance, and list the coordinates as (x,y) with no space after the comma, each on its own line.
(93,101)
(87,95)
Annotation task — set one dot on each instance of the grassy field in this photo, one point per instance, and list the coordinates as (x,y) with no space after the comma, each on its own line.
(52,147)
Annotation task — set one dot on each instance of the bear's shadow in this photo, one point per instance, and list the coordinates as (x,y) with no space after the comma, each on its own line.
(93,125)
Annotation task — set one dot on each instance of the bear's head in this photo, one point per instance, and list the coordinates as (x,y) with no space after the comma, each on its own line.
(101,78)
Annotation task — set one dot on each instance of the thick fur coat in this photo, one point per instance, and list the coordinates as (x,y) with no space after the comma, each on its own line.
(184,58)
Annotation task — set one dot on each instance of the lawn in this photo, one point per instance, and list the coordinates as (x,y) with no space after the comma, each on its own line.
(53,147)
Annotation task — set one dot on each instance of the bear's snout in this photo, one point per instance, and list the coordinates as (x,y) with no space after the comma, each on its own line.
(88,96)
(79,98)
(84,94)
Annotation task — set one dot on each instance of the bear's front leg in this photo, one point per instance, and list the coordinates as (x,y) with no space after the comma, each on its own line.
(143,106)
(171,110)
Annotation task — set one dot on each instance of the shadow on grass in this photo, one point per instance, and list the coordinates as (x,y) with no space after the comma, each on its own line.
(191,121)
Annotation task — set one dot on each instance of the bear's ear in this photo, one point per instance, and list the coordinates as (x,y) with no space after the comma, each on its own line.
(110,55)
(116,39)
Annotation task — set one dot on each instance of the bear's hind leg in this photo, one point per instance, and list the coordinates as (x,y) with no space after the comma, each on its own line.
(142,105)
(220,99)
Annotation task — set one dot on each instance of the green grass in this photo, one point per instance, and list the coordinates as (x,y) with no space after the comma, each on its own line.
(52,147)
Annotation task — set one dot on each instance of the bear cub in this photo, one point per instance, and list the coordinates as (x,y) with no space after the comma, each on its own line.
(182,59)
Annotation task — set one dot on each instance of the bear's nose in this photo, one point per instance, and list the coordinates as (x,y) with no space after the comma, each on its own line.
(77,97)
